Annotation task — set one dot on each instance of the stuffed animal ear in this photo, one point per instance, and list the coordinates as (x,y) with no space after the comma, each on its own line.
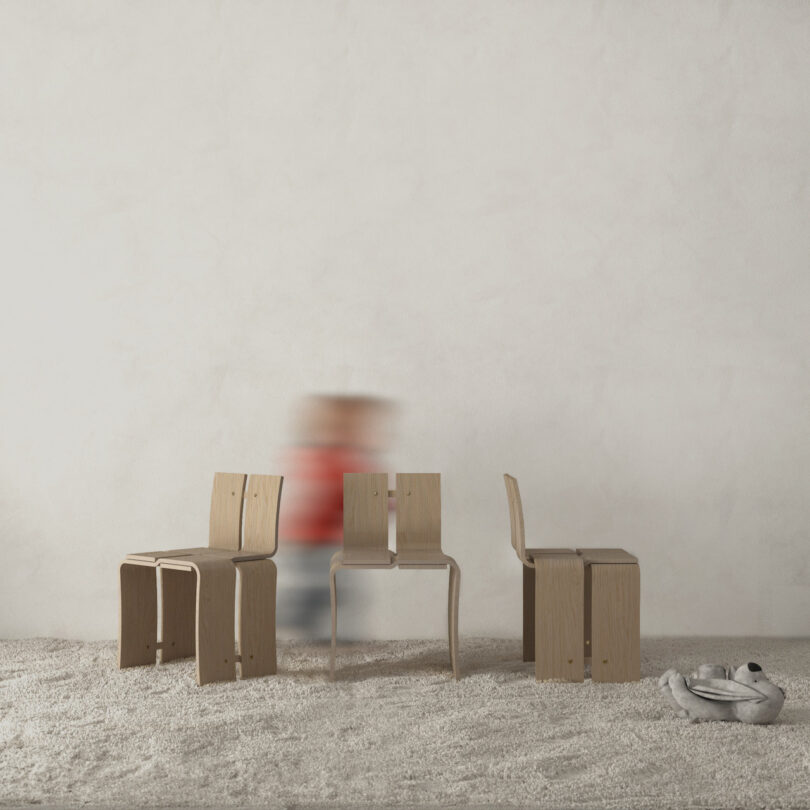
(724,690)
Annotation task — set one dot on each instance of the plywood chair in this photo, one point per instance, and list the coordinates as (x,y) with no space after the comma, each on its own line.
(365,536)
(577,604)
(198,588)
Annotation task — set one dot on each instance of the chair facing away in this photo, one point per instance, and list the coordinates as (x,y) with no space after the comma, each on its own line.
(577,604)
(365,537)
(198,588)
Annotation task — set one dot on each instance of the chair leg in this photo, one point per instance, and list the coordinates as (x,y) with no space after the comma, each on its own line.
(528,613)
(179,595)
(216,594)
(452,616)
(450,613)
(615,623)
(257,617)
(137,631)
(559,618)
(333,597)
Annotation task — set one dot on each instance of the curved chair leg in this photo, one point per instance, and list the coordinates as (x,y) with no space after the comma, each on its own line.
(137,631)
(257,617)
(452,615)
(216,594)
(450,612)
(333,595)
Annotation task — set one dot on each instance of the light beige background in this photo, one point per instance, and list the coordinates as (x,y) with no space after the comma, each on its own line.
(571,238)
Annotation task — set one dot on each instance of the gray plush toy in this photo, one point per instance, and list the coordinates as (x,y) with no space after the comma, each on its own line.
(717,693)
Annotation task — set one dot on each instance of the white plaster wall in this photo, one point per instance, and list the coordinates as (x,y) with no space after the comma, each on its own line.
(571,239)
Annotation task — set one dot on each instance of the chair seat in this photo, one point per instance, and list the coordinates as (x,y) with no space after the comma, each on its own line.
(365,558)
(597,556)
(207,561)
(531,553)
(416,558)
(606,556)
(200,552)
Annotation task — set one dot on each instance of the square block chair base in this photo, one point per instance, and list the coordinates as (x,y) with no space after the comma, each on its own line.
(199,586)
(588,599)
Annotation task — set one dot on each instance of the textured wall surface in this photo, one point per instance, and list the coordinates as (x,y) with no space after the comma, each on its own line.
(571,239)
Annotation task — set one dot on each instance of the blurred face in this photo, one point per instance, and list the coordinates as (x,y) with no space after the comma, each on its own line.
(370,427)
(352,423)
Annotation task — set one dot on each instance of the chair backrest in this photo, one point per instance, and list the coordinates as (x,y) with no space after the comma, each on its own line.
(261,513)
(419,512)
(227,497)
(260,532)
(516,518)
(365,515)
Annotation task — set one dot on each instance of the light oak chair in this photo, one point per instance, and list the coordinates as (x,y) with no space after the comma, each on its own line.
(418,537)
(199,585)
(577,604)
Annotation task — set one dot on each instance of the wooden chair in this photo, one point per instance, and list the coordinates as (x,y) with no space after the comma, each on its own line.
(198,589)
(418,537)
(577,604)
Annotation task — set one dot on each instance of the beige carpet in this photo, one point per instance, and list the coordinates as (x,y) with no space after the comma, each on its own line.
(395,730)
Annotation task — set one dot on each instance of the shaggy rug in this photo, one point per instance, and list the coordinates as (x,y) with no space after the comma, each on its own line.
(392,730)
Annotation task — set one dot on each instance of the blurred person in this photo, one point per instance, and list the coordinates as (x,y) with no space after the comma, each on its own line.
(333,435)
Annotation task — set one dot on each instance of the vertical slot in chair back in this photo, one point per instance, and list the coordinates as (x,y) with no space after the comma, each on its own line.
(365,516)
(225,526)
(261,514)
(516,517)
(419,513)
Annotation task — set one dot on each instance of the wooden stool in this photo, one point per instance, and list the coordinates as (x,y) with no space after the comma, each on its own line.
(590,594)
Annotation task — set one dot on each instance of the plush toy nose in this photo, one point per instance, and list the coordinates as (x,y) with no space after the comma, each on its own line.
(752,667)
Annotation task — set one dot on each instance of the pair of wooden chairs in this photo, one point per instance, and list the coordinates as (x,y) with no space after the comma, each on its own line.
(578,604)
(418,537)
(198,589)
